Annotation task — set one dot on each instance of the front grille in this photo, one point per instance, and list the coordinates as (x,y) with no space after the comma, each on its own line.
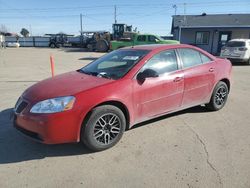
(20,106)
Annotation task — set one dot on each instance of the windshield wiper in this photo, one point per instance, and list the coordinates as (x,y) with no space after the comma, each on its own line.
(88,72)
(101,74)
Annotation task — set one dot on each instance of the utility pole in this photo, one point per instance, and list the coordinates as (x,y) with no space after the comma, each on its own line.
(175,9)
(81,29)
(185,13)
(30,30)
(81,22)
(115,15)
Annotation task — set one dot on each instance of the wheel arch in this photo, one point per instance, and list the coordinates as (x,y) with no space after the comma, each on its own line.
(115,103)
(227,82)
(121,106)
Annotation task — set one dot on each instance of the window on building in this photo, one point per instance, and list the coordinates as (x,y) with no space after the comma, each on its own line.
(202,37)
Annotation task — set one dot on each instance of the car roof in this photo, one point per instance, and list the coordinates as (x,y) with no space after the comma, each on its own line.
(243,40)
(161,47)
(158,46)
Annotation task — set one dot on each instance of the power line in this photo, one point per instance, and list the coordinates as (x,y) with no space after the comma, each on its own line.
(214,3)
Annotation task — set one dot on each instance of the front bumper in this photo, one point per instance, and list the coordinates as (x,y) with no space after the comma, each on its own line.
(235,58)
(56,128)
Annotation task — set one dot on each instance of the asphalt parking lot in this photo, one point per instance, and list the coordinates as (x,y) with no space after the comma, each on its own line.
(192,148)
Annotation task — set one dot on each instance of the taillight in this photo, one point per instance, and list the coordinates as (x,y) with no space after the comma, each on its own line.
(243,49)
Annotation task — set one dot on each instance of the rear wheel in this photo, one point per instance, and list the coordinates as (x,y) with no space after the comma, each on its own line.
(58,45)
(219,97)
(102,46)
(104,128)
(52,45)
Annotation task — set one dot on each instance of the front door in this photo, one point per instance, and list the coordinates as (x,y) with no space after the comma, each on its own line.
(224,36)
(162,94)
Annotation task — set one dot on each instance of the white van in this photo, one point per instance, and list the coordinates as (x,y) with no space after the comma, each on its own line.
(237,50)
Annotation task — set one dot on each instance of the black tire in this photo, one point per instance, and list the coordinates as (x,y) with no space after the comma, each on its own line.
(102,46)
(52,45)
(219,97)
(58,45)
(248,62)
(104,120)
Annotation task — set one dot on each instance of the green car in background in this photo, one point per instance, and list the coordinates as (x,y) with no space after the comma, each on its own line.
(140,39)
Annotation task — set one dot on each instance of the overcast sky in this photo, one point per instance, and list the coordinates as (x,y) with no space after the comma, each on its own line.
(53,16)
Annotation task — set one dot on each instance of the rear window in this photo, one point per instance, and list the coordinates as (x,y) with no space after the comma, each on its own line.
(235,44)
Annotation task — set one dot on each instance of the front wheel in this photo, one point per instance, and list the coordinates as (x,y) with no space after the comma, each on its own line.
(104,128)
(219,97)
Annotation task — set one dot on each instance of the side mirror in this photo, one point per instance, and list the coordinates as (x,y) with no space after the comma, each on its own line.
(147,73)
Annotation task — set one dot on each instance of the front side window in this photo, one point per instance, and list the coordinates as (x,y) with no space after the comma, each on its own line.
(162,62)
(114,65)
(152,38)
(190,57)
(202,37)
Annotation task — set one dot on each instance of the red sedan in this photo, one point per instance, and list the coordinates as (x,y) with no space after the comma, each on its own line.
(98,102)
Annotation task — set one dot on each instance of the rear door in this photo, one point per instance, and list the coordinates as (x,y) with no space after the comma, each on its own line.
(159,95)
(199,76)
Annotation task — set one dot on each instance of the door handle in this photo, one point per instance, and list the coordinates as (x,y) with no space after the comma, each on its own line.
(178,79)
(211,70)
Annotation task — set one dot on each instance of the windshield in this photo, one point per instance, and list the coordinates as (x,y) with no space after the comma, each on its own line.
(235,44)
(114,65)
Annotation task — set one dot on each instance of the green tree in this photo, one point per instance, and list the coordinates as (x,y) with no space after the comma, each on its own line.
(25,32)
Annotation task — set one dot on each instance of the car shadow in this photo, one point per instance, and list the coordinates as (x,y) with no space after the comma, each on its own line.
(74,49)
(239,64)
(88,58)
(14,147)
(196,109)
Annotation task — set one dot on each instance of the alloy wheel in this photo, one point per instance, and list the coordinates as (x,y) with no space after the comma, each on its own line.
(107,128)
(220,96)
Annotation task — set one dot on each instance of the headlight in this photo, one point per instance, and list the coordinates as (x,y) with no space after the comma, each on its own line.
(58,104)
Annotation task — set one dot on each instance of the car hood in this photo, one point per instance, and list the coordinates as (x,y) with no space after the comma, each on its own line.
(63,85)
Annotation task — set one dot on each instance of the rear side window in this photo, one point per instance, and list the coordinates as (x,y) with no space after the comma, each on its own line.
(141,38)
(163,62)
(236,44)
(190,57)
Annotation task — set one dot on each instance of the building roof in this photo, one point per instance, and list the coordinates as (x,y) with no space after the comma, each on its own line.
(211,20)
